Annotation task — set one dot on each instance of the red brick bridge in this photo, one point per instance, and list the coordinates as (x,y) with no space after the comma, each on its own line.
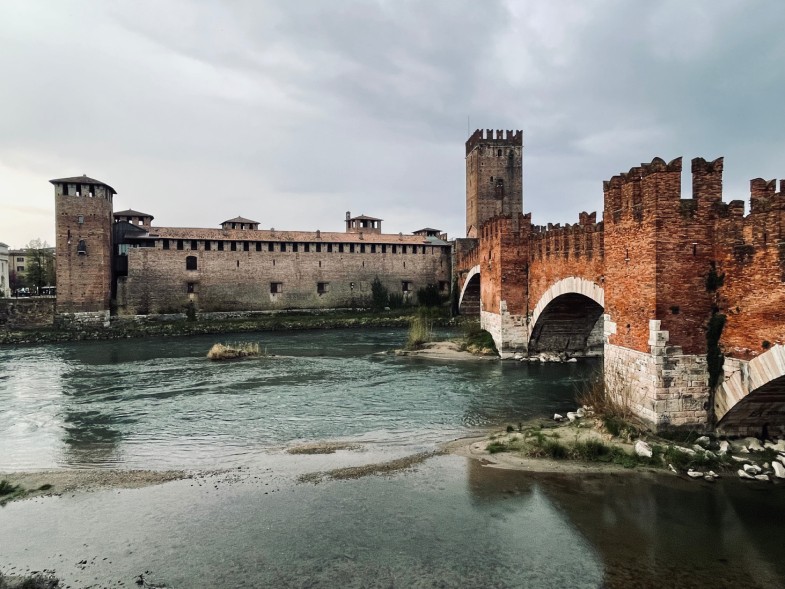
(683,298)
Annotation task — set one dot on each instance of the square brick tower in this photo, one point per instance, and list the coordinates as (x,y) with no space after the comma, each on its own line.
(83,226)
(494,177)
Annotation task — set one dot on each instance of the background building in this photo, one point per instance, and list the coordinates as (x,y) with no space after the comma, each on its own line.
(5,289)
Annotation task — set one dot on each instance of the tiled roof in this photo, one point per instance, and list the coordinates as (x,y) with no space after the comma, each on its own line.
(289,236)
(240,220)
(132,213)
(82,180)
(365,218)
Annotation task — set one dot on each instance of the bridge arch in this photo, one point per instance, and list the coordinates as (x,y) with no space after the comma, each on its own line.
(753,394)
(568,318)
(469,301)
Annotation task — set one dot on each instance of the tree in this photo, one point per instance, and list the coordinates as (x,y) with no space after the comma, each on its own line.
(40,270)
(379,295)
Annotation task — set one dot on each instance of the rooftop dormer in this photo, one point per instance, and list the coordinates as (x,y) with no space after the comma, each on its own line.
(362,224)
(134,218)
(240,223)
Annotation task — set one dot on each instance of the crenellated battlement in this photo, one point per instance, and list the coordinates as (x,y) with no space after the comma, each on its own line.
(499,137)
(577,240)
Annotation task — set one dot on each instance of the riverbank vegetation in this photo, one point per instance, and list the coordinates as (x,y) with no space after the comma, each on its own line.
(33,581)
(235,351)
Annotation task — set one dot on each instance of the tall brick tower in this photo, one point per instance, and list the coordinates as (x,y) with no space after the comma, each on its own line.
(494,177)
(83,219)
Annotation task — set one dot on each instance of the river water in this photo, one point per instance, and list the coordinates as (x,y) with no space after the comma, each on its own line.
(448,522)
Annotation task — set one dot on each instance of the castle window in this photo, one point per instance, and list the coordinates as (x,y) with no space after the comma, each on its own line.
(406,286)
(194,244)
(294,247)
(403,249)
(165,244)
(394,249)
(246,246)
(340,248)
(81,248)
(220,246)
(234,225)
(283,247)
(80,219)
(499,153)
(233,246)
(384,248)
(442,286)
(207,245)
(373,248)
(179,244)
(351,248)
(307,247)
(270,246)
(322,287)
(276,287)
(190,263)
(258,246)
(318,247)
(190,287)
(362,248)
(329,248)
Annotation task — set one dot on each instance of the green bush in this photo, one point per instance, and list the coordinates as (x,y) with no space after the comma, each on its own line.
(429,296)
(380,297)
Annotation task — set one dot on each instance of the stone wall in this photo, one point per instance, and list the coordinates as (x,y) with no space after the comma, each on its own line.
(28,312)
(664,387)
(158,280)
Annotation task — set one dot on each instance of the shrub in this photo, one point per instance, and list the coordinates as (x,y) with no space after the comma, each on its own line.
(420,332)
(429,296)
(379,295)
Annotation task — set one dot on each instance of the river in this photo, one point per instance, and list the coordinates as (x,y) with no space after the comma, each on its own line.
(448,522)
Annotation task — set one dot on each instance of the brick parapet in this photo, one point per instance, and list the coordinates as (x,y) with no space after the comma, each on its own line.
(480,136)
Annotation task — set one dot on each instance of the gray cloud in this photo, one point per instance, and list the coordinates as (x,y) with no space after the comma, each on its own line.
(292,113)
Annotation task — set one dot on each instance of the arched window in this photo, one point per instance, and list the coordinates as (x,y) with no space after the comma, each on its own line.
(190,263)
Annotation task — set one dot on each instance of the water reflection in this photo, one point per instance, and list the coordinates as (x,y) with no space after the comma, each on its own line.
(660,531)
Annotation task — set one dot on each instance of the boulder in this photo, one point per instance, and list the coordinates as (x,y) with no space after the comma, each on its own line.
(694,474)
(572,360)
(762,477)
(557,417)
(752,468)
(517,356)
(581,412)
(642,449)
(724,448)
(703,441)
(698,448)
(779,470)
(710,454)
(743,474)
(673,470)
(779,446)
(753,444)
(740,459)
(684,450)
(712,474)
(572,416)
(781,459)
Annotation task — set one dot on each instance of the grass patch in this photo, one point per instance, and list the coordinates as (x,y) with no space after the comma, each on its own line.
(233,351)
(420,331)
(478,341)
(6,488)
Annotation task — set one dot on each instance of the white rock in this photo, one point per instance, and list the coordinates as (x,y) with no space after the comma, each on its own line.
(740,459)
(781,459)
(710,454)
(581,412)
(724,447)
(572,360)
(744,451)
(761,477)
(517,356)
(672,469)
(752,468)
(766,466)
(779,446)
(703,441)
(557,417)
(698,448)
(712,474)
(753,444)
(744,474)
(779,470)
(709,478)
(642,449)
(572,416)
(695,474)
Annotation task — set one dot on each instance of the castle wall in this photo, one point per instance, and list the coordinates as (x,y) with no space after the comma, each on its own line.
(750,251)
(241,280)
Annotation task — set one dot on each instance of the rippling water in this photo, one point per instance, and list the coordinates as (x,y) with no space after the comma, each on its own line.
(162,404)
(451,522)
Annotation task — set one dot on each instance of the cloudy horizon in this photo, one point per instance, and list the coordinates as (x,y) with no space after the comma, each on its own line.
(293,113)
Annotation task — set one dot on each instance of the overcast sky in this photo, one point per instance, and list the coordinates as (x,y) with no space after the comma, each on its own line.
(294,112)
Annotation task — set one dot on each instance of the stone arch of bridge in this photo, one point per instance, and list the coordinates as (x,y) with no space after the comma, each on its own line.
(469,301)
(568,318)
(758,397)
